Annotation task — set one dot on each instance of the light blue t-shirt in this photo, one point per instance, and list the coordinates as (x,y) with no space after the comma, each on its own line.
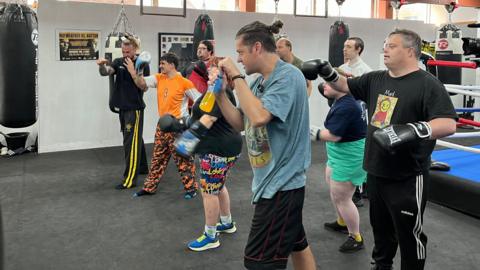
(280,151)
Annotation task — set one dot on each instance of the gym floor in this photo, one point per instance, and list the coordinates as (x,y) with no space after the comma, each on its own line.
(61,211)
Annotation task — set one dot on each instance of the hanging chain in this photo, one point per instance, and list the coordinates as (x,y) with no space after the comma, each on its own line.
(122,22)
(275,17)
(340,4)
(396,5)
(450,8)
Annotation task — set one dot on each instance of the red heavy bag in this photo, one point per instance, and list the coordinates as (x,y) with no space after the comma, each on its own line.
(339,33)
(203,30)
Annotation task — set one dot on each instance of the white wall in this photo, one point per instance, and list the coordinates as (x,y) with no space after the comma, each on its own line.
(73,98)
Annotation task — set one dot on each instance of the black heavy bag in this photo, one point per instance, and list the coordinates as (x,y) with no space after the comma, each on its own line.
(113,49)
(203,30)
(339,33)
(18,66)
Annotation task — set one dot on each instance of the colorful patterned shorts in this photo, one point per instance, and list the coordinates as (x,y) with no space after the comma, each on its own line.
(213,172)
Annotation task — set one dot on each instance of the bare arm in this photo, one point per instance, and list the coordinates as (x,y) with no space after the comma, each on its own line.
(442,127)
(309,87)
(193,94)
(340,85)
(325,135)
(103,68)
(138,79)
(251,105)
(208,120)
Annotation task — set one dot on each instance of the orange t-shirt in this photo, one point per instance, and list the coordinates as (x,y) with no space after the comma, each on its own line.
(171,96)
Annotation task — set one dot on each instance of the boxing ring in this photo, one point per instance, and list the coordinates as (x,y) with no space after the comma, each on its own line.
(459,187)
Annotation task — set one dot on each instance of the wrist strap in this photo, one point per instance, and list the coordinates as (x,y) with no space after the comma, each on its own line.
(239,76)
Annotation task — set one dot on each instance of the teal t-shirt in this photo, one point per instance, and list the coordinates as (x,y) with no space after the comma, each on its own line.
(280,151)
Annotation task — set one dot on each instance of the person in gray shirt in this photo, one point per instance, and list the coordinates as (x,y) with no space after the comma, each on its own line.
(274,114)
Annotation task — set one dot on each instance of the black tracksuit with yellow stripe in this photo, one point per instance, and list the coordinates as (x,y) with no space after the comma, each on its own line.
(127,98)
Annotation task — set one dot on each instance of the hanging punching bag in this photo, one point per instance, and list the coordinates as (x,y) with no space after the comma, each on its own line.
(203,30)
(339,33)
(448,47)
(113,49)
(18,66)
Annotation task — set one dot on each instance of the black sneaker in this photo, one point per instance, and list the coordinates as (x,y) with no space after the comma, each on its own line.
(377,267)
(358,201)
(357,198)
(121,186)
(335,227)
(364,191)
(142,192)
(351,245)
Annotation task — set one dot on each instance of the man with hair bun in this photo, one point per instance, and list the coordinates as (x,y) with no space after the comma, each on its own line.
(274,115)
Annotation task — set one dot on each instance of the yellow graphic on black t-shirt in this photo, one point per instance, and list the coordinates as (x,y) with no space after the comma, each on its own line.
(258,145)
(383,111)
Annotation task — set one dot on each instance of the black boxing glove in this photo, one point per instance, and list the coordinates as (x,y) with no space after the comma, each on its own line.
(168,123)
(201,69)
(393,137)
(312,68)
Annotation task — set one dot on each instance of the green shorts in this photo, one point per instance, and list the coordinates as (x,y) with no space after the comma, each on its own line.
(346,161)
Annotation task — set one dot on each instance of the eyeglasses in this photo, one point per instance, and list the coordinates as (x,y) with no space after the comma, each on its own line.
(393,46)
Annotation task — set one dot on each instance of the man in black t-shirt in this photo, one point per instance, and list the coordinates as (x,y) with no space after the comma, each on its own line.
(408,109)
(128,101)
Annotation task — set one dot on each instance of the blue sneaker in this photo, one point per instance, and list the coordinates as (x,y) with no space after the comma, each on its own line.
(204,242)
(226,228)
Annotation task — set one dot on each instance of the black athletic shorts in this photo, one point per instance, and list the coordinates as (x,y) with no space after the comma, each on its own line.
(277,230)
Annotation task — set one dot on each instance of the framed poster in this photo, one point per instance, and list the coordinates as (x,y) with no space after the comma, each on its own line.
(180,44)
(76,45)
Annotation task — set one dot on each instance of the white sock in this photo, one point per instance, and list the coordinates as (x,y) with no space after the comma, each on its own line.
(226,219)
(211,231)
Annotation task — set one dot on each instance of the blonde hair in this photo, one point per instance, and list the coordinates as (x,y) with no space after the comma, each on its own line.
(130,40)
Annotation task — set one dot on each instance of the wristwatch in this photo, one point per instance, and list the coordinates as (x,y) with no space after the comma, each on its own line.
(239,76)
